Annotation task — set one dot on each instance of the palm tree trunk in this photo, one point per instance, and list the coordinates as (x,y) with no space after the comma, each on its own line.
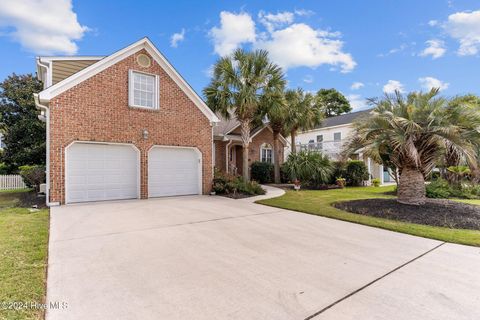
(245,133)
(293,134)
(452,159)
(411,189)
(277,155)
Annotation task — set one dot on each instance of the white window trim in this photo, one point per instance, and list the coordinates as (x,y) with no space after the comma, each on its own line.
(156,98)
(269,148)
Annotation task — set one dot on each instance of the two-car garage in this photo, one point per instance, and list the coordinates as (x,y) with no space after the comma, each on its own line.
(109,171)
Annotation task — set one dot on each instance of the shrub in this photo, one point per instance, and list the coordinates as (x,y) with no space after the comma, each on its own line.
(229,184)
(262,172)
(284,178)
(438,189)
(441,188)
(313,169)
(33,176)
(434,175)
(356,172)
(338,171)
(376,182)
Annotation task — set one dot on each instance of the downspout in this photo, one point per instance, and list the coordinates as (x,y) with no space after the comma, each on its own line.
(226,155)
(45,117)
(47,81)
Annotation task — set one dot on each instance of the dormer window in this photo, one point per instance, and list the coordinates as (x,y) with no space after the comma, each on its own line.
(143,90)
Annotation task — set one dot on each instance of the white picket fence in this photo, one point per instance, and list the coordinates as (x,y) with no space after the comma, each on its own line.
(11,182)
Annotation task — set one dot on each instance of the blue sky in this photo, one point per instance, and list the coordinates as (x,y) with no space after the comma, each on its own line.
(361,48)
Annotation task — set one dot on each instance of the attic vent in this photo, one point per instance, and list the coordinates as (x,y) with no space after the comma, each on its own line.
(143,60)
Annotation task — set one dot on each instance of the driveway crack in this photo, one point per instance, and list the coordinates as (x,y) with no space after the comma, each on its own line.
(372,282)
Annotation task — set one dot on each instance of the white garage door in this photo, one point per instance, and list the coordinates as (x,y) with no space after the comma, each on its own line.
(173,172)
(96,172)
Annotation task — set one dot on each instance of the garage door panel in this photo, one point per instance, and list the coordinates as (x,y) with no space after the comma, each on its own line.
(173,171)
(98,172)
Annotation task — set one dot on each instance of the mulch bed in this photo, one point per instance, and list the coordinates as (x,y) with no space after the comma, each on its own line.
(22,199)
(237,195)
(439,213)
(32,199)
(289,186)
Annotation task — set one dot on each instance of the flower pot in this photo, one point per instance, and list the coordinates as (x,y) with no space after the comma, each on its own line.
(296,185)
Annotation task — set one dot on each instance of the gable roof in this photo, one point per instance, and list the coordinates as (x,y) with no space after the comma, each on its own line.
(144,43)
(226,126)
(343,119)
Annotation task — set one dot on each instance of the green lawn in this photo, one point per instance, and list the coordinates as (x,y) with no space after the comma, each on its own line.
(320,203)
(23,256)
(469,201)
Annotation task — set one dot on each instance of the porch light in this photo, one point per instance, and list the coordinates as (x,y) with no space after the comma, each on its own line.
(145,134)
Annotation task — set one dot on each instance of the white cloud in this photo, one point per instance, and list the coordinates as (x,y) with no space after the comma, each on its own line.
(428,83)
(393,85)
(433,23)
(43,27)
(289,44)
(301,45)
(273,21)
(208,72)
(176,38)
(234,30)
(465,27)
(356,85)
(435,48)
(308,78)
(401,48)
(304,12)
(356,102)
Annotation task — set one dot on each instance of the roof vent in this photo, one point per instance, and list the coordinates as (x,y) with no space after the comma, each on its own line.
(143,60)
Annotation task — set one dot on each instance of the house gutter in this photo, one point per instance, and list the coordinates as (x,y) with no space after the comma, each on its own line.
(47,81)
(45,117)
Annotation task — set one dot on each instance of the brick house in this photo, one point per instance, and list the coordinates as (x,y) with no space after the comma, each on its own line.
(229,151)
(123,126)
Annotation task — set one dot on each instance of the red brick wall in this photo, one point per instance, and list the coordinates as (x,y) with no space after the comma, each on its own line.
(265,136)
(97,110)
(220,152)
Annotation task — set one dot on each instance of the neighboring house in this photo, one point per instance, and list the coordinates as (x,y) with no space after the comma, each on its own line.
(229,151)
(330,137)
(123,126)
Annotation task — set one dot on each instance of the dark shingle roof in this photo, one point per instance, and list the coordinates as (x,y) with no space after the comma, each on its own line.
(343,119)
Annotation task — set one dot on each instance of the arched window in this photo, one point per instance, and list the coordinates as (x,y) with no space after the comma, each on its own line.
(266,153)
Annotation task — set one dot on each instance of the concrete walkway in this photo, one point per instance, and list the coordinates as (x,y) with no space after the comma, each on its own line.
(271,192)
(203,257)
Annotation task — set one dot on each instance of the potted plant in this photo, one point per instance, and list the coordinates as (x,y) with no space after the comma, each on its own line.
(341,182)
(296,184)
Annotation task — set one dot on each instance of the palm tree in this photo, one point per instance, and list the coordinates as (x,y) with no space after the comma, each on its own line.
(415,129)
(276,113)
(242,84)
(456,115)
(302,113)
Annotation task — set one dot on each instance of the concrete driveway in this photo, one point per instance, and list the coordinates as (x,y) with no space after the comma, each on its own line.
(203,257)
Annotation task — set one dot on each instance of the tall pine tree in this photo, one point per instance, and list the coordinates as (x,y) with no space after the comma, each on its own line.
(24,133)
